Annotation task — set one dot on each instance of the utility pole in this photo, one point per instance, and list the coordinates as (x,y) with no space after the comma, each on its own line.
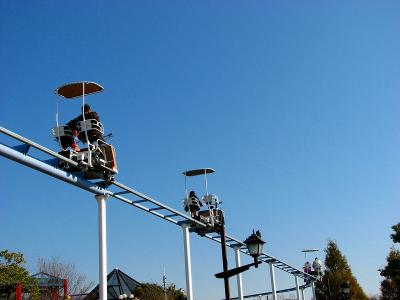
(164,278)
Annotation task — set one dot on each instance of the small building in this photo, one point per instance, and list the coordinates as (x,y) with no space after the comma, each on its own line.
(50,287)
(118,283)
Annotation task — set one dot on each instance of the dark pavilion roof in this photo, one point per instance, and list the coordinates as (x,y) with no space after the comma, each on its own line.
(118,283)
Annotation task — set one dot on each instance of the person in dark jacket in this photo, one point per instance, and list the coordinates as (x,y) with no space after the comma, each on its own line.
(93,135)
(89,114)
(193,204)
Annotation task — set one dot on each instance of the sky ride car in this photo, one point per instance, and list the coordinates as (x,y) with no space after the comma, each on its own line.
(98,159)
(315,268)
(211,215)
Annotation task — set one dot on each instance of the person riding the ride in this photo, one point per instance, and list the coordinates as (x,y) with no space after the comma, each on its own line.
(73,124)
(193,204)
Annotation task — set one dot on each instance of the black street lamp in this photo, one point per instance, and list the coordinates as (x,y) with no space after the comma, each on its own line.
(255,245)
(345,290)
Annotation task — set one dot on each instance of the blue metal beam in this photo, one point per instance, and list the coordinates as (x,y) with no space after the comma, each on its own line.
(50,170)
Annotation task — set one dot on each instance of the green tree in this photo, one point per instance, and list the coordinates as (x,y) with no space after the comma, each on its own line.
(396,235)
(390,286)
(153,291)
(337,270)
(13,272)
(175,294)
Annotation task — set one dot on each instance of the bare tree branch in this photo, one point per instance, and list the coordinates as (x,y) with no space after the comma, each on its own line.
(77,282)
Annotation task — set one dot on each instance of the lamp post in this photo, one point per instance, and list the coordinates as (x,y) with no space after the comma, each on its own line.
(254,244)
(345,290)
(224,258)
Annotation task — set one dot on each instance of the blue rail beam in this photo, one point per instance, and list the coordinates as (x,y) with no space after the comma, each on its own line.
(40,166)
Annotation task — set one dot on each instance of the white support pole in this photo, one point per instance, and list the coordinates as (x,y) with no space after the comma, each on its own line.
(101,201)
(297,287)
(236,248)
(313,290)
(302,294)
(273,286)
(188,263)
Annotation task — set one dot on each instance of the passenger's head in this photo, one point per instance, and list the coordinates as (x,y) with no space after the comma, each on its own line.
(192,194)
(86,108)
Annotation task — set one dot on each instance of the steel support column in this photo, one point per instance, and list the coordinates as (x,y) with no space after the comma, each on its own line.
(188,262)
(302,294)
(273,286)
(297,287)
(238,276)
(101,201)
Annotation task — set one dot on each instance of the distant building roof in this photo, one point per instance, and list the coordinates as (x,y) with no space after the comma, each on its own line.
(48,281)
(118,283)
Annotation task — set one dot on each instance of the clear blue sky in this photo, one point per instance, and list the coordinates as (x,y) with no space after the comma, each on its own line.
(294,103)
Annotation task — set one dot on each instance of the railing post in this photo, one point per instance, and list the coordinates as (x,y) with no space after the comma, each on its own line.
(296,278)
(101,201)
(313,290)
(236,248)
(273,286)
(188,262)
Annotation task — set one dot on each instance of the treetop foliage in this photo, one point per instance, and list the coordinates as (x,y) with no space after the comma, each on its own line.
(153,291)
(338,271)
(392,269)
(390,285)
(11,258)
(334,260)
(11,269)
(12,272)
(396,235)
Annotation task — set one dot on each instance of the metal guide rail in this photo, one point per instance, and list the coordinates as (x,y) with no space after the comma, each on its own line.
(302,287)
(121,192)
(233,242)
